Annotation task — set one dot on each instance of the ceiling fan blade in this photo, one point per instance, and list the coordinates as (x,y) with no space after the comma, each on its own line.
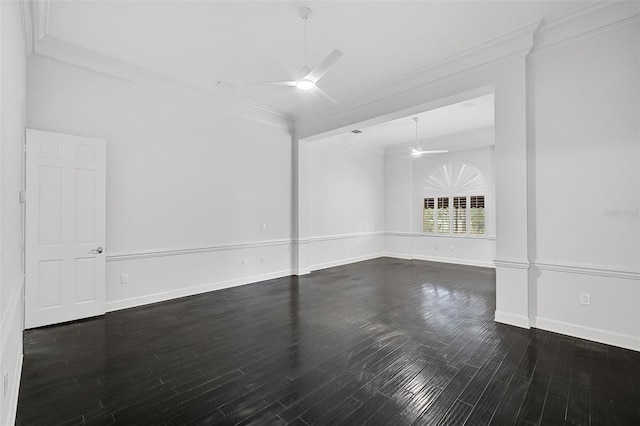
(417,153)
(319,93)
(434,151)
(319,71)
(272,83)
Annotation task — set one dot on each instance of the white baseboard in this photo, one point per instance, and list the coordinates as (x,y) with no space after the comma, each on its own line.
(399,256)
(117,305)
(449,260)
(15,391)
(347,261)
(588,333)
(512,319)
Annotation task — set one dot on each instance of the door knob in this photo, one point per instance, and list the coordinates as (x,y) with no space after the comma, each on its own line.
(97,250)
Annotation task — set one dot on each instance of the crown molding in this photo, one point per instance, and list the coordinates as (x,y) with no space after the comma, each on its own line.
(533,38)
(584,23)
(506,47)
(35,21)
(50,47)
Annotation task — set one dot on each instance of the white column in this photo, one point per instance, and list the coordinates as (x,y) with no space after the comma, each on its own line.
(300,244)
(512,260)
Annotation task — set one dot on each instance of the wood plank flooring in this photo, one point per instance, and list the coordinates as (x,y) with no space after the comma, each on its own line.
(382,342)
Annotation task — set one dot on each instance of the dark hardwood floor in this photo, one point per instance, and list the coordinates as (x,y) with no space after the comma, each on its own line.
(384,342)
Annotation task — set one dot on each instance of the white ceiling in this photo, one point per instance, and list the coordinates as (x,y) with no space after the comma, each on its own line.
(203,42)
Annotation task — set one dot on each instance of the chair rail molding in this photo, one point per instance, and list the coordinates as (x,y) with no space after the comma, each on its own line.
(179,251)
(586,269)
(512,263)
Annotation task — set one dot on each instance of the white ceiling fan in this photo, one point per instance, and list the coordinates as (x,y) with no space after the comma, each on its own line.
(417,151)
(308,78)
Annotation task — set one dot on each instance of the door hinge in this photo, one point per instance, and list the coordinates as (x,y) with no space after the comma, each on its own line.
(22,196)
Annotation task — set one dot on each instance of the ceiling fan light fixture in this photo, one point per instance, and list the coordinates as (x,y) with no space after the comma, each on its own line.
(305,84)
(307,79)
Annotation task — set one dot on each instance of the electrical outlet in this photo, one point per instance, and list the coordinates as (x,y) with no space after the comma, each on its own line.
(585,299)
(245,262)
(263,226)
(262,259)
(5,383)
(124,279)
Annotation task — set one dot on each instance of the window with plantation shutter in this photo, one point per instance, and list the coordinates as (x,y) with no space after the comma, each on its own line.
(429,215)
(443,215)
(477,214)
(459,218)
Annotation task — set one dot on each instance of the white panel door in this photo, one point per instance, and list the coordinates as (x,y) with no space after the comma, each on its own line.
(65,228)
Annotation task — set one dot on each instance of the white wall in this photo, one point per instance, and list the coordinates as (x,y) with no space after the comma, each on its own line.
(566,130)
(346,202)
(189,185)
(587,162)
(12,93)
(404,182)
